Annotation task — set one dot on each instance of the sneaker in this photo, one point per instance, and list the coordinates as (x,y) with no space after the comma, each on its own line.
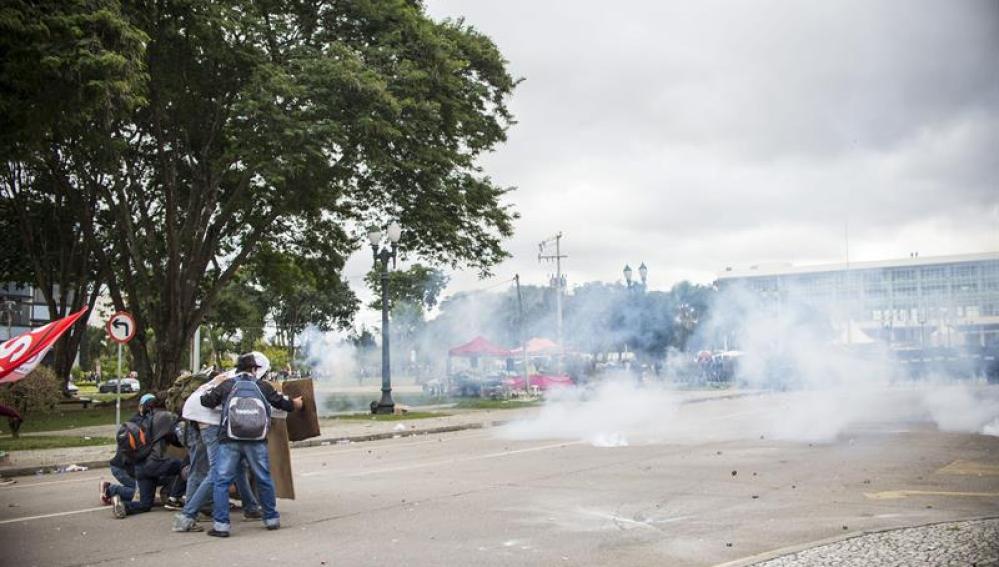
(253,514)
(118,507)
(182,523)
(105,499)
(173,504)
(273,526)
(217,533)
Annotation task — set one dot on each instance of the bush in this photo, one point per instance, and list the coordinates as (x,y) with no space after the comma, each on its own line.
(39,391)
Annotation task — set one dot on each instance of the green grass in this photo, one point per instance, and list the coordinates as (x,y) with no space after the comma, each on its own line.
(71,417)
(388,417)
(109,397)
(479,403)
(90,391)
(28,442)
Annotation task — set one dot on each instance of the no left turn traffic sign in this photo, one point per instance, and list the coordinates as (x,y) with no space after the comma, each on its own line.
(121,327)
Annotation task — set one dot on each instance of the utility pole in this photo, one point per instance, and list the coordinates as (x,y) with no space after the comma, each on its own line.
(8,307)
(558,282)
(196,350)
(523,335)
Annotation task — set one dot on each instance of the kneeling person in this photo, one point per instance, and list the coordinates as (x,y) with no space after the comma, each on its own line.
(154,467)
(245,401)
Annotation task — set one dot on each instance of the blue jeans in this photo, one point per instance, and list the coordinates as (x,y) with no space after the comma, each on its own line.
(210,437)
(226,465)
(198,453)
(151,474)
(127,487)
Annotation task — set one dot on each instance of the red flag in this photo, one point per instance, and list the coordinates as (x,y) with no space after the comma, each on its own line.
(21,354)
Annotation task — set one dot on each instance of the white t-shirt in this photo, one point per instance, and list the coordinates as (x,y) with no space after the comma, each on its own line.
(194,411)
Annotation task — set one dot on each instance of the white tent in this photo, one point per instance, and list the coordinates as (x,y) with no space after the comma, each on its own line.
(852,334)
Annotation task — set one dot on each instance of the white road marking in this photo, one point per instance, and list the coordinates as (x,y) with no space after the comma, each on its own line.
(448,461)
(464,459)
(50,483)
(352,448)
(55,515)
(353,475)
(344,450)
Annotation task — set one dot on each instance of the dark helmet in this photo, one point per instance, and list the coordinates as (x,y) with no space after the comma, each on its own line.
(247,363)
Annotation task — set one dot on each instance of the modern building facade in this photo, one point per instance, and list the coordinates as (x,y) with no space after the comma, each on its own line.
(22,307)
(944,301)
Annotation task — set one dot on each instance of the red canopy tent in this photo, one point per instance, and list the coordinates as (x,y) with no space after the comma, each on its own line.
(538,346)
(479,346)
(474,349)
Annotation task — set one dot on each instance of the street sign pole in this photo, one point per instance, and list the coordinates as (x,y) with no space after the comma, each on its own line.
(121,329)
(117,402)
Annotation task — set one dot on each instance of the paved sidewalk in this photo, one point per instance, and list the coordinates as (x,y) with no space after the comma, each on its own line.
(954,543)
(20,463)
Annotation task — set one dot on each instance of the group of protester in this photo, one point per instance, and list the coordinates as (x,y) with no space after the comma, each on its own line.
(223,425)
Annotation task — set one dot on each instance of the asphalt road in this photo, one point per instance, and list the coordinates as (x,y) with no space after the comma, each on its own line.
(708,491)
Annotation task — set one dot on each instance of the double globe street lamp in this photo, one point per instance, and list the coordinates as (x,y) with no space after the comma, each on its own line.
(643,273)
(384,248)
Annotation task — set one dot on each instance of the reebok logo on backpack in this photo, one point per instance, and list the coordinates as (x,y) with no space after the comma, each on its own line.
(134,441)
(246,415)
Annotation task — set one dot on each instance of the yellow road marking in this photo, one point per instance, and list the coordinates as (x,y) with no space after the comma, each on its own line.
(970,468)
(893,494)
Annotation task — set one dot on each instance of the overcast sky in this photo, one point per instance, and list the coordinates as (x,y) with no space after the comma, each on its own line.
(698,135)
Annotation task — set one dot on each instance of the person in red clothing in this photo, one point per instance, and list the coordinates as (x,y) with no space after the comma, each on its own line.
(14,419)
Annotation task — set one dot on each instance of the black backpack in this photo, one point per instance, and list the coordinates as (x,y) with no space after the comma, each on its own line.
(135,440)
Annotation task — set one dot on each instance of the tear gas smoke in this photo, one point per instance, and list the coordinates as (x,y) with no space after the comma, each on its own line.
(333,361)
(335,367)
(821,379)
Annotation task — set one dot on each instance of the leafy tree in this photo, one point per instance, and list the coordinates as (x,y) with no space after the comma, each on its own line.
(301,288)
(362,338)
(68,71)
(417,285)
(236,321)
(259,123)
(413,292)
(38,392)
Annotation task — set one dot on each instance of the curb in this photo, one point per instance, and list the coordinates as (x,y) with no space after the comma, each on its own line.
(326,441)
(318,442)
(394,434)
(799,547)
(50,469)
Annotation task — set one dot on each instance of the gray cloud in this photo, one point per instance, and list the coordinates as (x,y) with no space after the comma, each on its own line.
(695,135)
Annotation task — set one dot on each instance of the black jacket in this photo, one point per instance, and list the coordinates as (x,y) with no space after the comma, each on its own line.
(163,428)
(119,460)
(161,424)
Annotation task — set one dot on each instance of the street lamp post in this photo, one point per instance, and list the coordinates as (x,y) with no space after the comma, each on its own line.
(633,286)
(382,254)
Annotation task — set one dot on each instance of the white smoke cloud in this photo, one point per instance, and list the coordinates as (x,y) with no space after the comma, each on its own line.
(606,417)
(961,408)
(333,361)
(819,380)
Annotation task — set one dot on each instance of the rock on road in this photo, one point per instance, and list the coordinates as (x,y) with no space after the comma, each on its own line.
(476,497)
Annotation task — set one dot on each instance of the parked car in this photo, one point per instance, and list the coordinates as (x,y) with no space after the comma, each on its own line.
(128,385)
